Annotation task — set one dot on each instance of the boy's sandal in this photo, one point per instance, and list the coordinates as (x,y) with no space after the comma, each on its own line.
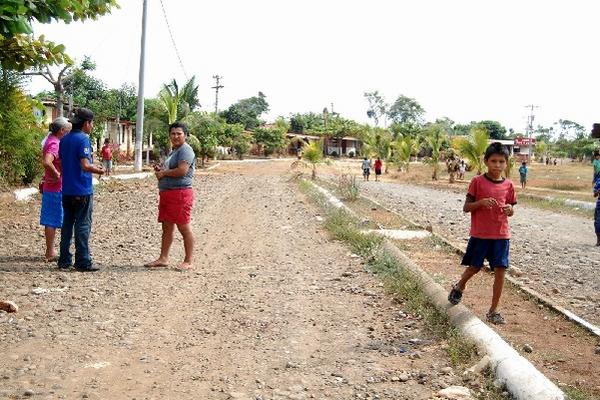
(495,318)
(455,295)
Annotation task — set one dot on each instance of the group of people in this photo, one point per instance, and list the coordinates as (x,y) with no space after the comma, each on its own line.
(366,166)
(67,191)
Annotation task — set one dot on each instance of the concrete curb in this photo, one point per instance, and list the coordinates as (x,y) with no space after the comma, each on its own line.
(593,329)
(518,375)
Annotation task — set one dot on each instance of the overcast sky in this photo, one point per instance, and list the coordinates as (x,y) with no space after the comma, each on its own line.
(463,59)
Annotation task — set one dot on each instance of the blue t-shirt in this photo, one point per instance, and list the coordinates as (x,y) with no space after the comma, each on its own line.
(73,147)
(182,153)
(523,170)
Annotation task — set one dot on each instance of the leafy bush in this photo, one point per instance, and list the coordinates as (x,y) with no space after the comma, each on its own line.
(20,135)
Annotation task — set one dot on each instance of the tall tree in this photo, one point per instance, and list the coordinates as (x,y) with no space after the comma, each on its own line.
(435,138)
(247,111)
(494,129)
(406,109)
(377,106)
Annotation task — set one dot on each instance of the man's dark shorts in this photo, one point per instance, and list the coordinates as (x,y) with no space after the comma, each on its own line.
(494,250)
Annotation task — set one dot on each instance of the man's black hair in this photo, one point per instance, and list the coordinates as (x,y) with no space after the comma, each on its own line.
(178,124)
(80,117)
(496,148)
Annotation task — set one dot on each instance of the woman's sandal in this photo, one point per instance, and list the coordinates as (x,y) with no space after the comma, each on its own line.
(156,264)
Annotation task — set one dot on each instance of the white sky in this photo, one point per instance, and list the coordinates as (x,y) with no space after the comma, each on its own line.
(464,59)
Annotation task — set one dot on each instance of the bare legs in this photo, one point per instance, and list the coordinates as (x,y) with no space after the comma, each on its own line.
(168,230)
(498,283)
(50,234)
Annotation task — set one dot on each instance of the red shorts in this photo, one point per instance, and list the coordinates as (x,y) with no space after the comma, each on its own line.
(175,206)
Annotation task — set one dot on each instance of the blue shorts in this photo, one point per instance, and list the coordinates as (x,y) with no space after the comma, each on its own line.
(494,250)
(51,214)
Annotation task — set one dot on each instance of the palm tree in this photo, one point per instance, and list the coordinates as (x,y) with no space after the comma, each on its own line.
(474,147)
(406,147)
(179,103)
(435,139)
(313,154)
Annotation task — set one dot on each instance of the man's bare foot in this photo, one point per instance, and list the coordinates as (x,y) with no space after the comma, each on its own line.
(157,264)
(51,257)
(185,266)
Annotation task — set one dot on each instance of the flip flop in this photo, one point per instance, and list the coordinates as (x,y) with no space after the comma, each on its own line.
(180,267)
(155,264)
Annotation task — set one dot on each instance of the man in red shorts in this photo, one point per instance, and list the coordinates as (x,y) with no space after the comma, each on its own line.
(176,197)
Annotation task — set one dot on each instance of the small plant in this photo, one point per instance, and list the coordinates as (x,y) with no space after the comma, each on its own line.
(347,187)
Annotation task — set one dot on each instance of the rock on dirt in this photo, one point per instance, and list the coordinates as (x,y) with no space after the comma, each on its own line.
(455,393)
(8,306)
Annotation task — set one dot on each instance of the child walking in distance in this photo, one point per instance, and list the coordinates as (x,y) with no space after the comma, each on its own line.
(490,200)
(523,170)
(107,157)
(597,211)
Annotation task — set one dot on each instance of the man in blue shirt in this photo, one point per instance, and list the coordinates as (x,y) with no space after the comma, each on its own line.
(75,153)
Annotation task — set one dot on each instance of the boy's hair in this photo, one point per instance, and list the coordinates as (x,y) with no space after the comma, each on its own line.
(106,141)
(524,163)
(496,148)
(80,117)
(178,124)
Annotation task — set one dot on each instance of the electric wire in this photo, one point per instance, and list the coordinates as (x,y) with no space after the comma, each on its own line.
(173,40)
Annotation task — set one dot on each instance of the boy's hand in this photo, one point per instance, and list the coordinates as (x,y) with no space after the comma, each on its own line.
(488,202)
(508,210)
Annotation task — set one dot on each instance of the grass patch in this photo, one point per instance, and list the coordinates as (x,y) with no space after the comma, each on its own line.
(554,205)
(576,394)
(397,279)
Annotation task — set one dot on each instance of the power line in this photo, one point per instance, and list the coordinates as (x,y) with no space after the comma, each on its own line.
(173,40)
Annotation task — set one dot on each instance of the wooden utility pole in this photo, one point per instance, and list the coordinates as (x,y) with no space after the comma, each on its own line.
(217,78)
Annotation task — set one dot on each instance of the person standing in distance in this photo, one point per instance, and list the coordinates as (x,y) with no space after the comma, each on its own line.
(176,197)
(77,168)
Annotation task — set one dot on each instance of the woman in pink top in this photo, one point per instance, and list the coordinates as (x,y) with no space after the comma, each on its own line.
(51,214)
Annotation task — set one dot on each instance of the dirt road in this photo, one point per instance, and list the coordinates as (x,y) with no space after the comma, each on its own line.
(274,309)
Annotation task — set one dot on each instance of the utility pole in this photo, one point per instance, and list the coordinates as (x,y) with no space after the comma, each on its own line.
(217,78)
(139,125)
(530,119)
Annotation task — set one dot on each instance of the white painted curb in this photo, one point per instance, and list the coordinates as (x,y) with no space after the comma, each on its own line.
(517,374)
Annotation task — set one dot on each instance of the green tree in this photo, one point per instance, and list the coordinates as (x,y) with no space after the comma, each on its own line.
(306,123)
(247,111)
(207,130)
(20,134)
(19,50)
(406,109)
(270,139)
(179,103)
(405,149)
(313,155)
(473,148)
(377,106)
(494,129)
(435,138)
